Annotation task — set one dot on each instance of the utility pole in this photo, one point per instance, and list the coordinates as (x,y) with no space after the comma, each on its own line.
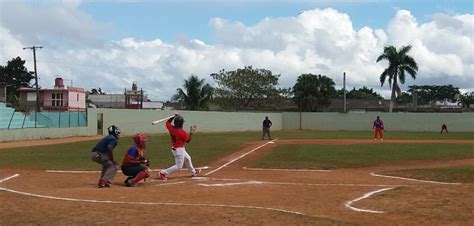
(344,89)
(36,79)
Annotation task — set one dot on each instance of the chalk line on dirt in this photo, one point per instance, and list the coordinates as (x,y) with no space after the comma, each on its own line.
(253,182)
(290,170)
(366,195)
(96,171)
(231,184)
(411,179)
(148,203)
(8,178)
(241,156)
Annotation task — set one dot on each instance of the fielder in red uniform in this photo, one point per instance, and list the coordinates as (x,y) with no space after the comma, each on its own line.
(178,139)
(378,126)
(134,165)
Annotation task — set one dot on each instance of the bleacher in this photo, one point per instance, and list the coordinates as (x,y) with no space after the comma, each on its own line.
(9,119)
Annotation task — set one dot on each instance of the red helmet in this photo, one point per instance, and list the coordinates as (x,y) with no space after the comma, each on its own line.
(140,139)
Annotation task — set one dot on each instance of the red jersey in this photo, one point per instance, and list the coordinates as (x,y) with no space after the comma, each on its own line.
(179,137)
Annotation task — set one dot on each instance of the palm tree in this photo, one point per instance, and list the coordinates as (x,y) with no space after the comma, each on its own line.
(195,95)
(399,64)
(313,92)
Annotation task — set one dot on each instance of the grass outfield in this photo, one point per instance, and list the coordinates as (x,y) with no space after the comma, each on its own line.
(459,174)
(333,156)
(369,134)
(204,149)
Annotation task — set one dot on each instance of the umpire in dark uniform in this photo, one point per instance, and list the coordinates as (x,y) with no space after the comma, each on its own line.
(266,128)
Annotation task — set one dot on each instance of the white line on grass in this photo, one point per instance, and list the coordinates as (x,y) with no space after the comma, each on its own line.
(243,155)
(149,203)
(290,170)
(366,195)
(411,179)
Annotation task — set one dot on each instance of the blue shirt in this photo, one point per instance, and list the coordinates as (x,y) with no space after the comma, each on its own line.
(102,146)
(267,123)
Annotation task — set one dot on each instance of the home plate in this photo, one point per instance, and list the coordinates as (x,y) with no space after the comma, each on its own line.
(198,178)
(271,142)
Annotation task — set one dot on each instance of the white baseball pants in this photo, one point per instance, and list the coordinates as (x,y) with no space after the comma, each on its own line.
(181,157)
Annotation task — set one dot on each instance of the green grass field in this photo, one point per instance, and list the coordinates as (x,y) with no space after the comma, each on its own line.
(206,148)
(333,156)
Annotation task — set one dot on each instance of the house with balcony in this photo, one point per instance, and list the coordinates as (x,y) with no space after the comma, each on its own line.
(58,99)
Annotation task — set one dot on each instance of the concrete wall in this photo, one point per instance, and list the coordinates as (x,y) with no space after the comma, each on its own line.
(135,121)
(41,133)
(459,122)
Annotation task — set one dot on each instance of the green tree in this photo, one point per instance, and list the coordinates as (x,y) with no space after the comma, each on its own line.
(361,93)
(399,63)
(195,95)
(467,99)
(95,91)
(313,92)
(429,93)
(245,88)
(15,75)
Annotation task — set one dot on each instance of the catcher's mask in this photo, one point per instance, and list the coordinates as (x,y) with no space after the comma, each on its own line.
(178,122)
(140,140)
(114,131)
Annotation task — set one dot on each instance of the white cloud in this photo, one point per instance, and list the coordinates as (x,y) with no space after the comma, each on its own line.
(319,41)
(50,22)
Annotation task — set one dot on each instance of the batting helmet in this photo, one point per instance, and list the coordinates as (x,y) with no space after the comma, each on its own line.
(140,139)
(178,122)
(114,131)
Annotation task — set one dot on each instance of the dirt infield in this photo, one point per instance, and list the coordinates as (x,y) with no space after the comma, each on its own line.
(230,193)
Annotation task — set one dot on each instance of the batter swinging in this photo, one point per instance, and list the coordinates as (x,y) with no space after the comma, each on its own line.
(178,140)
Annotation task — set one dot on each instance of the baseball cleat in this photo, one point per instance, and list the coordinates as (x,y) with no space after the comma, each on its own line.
(162,176)
(103,186)
(196,172)
(128,182)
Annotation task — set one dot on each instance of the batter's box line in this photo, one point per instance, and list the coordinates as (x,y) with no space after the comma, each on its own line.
(289,170)
(149,203)
(119,171)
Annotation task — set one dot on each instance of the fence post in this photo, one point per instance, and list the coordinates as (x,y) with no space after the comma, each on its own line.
(24,118)
(11,119)
(59,123)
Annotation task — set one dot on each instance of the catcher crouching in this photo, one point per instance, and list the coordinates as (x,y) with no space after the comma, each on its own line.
(135,164)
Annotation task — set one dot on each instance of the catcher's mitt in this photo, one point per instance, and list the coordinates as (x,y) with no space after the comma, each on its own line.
(144,161)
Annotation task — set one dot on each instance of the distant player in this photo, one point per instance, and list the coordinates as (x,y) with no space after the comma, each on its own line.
(378,126)
(266,128)
(444,127)
(178,139)
(134,164)
(102,153)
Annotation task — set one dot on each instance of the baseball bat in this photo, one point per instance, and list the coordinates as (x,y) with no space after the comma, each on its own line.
(161,120)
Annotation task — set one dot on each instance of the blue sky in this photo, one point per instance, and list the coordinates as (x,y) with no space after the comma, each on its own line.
(111,44)
(169,19)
